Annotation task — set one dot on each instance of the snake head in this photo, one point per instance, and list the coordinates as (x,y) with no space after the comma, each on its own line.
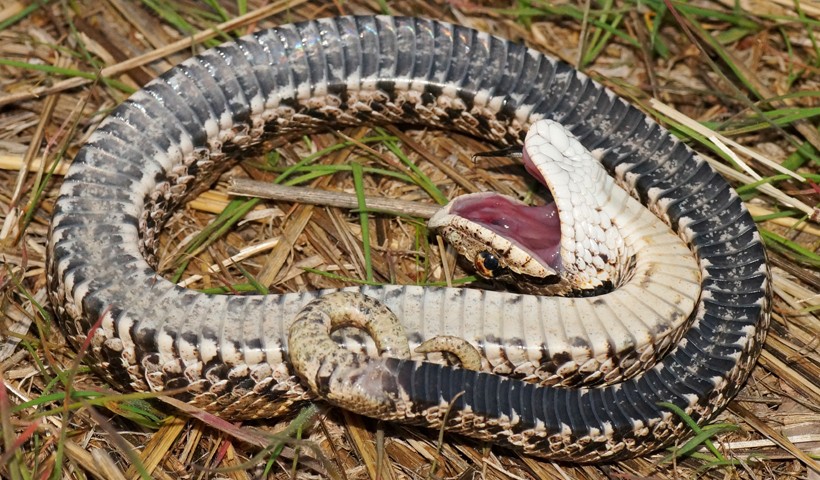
(569,244)
(502,236)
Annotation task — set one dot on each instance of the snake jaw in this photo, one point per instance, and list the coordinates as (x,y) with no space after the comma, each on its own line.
(521,237)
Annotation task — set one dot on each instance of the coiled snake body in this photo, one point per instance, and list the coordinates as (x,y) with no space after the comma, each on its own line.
(181,131)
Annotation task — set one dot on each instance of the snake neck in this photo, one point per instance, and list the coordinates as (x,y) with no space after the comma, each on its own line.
(587,200)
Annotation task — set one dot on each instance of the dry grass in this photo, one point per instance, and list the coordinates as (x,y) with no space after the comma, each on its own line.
(748,74)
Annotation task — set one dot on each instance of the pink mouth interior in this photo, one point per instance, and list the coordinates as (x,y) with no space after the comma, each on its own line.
(535,229)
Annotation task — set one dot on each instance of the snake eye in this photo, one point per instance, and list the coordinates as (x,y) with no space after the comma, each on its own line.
(486,264)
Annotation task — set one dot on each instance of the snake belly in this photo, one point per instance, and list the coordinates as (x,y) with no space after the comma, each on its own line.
(174,137)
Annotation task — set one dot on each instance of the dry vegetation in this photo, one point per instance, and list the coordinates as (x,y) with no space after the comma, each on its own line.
(747,75)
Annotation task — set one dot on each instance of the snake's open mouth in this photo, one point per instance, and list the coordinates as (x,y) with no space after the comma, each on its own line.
(526,238)
(534,229)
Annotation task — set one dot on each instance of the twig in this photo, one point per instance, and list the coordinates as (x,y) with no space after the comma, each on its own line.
(252,188)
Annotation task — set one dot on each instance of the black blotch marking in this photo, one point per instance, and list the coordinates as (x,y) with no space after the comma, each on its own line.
(606,287)
(151,359)
(291,102)
(546,363)
(561,358)
(318,114)
(388,87)
(505,114)
(145,340)
(191,338)
(454,113)
(278,395)
(431,93)
(150,223)
(659,329)
(409,111)
(468,97)
(193,169)
(363,116)
(160,177)
(339,90)
(515,300)
(510,138)
(117,373)
(217,369)
(483,124)
(491,340)
(254,344)
(245,384)
(176,382)
(515,342)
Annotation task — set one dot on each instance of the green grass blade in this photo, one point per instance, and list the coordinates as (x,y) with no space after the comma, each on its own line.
(67,72)
(792,249)
(25,12)
(419,178)
(230,216)
(539,8)
(703,435)
(343,278)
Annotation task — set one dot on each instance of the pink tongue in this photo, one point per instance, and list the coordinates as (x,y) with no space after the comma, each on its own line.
(536,230)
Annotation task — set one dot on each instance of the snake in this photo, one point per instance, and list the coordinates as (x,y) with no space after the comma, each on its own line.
(670,309)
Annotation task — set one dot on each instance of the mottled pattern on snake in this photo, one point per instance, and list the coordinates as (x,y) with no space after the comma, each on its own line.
(179,133)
